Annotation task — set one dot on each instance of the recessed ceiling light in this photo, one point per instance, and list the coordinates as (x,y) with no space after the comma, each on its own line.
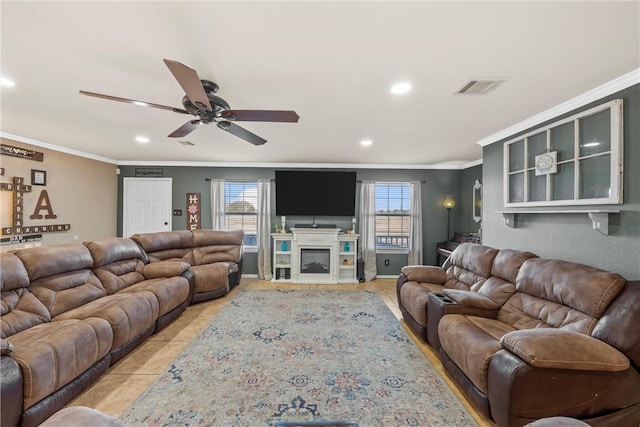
(366,142)
(142,139)
(400,88)
(140,103)
(6,82)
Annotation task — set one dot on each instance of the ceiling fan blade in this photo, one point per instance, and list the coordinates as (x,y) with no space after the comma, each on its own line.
(190,82)
(261,116)
(133,101)
(240,132)
(185,129)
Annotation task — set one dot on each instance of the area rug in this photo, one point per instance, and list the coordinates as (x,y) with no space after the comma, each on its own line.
(300,355)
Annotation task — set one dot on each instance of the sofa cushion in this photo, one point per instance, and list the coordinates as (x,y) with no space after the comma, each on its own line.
(47,261)
(52,354)
(210,246)
(19,308)
(470,341)
(414,298)
(507,263)
(170,292)
(129,315)
(470,266)
(166,245)
(61,276)
(112,249)
(584,288)
(211,277)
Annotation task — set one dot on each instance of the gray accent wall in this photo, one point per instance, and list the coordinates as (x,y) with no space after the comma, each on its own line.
(437,184)
(570,236)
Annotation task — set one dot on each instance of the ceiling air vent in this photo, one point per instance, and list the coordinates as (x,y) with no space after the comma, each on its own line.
(185,143)
(478,86)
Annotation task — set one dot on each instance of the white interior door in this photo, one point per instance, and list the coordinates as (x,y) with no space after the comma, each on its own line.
(146,205)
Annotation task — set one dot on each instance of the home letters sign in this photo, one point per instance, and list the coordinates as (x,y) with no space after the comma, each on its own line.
(193,211)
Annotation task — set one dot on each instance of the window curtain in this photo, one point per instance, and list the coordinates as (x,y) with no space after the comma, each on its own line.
(217,204)
(368,228)
(264,229)
(415,226)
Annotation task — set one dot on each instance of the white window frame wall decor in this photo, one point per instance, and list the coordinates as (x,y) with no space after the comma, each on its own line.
(577,162)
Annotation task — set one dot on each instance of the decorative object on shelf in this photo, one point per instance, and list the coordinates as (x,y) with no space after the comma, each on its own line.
(283,221)
(477,201)
(38,177)
(284,246)
(546,163)
(353,225)
(448,203)
(347,247)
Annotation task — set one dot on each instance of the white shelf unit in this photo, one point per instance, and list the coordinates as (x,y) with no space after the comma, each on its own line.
(347,258)
(599,217)
(282,257)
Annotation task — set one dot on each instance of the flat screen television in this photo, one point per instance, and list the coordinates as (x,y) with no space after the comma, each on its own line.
(315,193)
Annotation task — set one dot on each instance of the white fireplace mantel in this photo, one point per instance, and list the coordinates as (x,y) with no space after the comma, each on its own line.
(342,255)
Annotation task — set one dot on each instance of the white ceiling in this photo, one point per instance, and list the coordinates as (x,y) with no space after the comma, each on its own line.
(331,62)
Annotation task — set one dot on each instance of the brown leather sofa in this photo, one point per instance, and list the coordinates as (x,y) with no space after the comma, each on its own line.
(215,257)
(71,311)
(564,340)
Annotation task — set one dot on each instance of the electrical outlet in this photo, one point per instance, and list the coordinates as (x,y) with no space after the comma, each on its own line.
(386,262)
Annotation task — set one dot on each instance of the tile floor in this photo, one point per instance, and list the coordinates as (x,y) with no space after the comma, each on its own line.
(114,391)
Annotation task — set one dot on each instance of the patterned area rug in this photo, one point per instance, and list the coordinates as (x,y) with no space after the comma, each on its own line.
(300,355)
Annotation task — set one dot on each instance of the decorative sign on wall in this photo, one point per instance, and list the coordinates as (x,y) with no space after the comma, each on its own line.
(23,153)
(149,172)
(13,240)
(44,203)
(193,211)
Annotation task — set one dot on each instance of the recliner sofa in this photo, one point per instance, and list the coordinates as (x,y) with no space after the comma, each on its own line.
(563,339)
(68,312)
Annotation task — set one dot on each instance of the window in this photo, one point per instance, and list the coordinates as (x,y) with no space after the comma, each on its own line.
(241,209)
(393,201)
(575,161)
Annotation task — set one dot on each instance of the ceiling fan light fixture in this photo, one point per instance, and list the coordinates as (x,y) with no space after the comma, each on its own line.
(401,88)
(142,139)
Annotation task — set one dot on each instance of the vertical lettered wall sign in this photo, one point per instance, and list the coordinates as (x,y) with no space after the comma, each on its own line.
(193,211)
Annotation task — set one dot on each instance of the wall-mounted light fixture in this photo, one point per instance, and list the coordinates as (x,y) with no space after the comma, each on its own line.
(448,203)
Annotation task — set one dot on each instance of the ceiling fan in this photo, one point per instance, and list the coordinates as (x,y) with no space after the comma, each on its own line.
(200,101)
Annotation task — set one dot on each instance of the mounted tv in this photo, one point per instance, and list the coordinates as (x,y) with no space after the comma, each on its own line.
(315,193)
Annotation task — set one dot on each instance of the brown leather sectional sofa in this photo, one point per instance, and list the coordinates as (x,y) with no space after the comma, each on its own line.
(527,338)
(71,311)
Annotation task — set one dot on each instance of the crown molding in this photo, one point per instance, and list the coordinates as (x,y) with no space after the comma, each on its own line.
(53,147)
(627,80)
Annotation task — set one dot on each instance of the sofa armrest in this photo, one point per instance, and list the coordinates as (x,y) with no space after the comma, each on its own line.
(6,348)
(471,299)
(560,349)
(164,269)
(11,391)
(425,274)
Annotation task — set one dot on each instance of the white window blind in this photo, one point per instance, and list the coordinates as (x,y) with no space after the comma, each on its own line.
(241,209)
(393,201)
